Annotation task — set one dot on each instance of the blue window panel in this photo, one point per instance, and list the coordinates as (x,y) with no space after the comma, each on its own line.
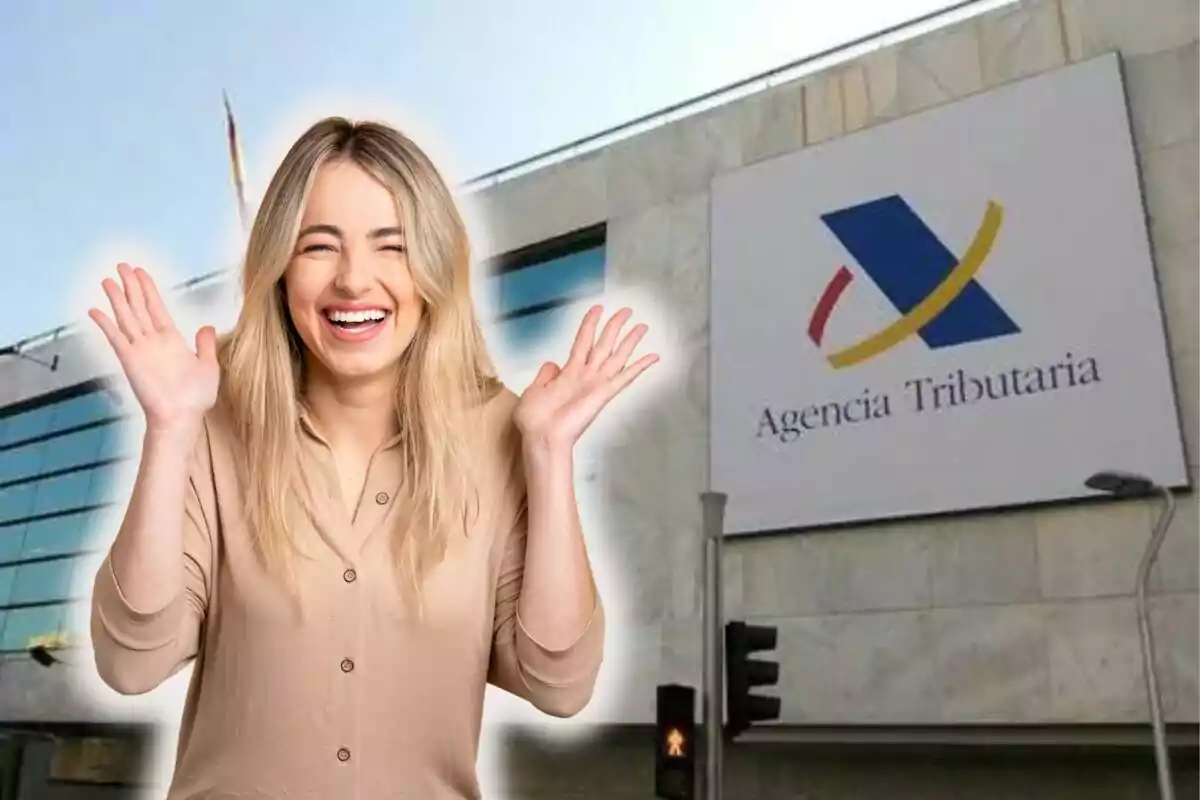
(81,410)
(26,425)
(44,580)
(57,453)
(104,487)
(577,274)
(7,576)
(17,501)
(81,447)
(70,413)
(102,484)
(24,624)
(116,440)
(11,538)
(21,462)
(525,334)
(63,492)
(74,621)
(113,405)
(59,535)
(77,619)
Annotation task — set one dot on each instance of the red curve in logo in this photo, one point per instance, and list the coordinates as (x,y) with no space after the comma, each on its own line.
(816,326)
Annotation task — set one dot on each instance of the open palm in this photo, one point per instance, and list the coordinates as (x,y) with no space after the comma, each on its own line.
(174,385)
(563,401)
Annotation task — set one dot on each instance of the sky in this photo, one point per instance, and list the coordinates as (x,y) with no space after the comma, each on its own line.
(112,140)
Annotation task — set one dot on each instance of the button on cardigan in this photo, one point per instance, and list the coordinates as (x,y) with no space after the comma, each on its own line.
(349,698)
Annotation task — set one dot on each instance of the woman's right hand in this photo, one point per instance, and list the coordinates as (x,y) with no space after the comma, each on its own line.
(174,385)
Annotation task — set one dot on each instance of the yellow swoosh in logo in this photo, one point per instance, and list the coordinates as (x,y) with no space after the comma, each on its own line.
(937,300)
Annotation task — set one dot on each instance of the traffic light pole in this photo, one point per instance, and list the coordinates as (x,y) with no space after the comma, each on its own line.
(714,641)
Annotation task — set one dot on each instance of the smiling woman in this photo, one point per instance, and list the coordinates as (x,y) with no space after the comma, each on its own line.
(349,279)
(341,513)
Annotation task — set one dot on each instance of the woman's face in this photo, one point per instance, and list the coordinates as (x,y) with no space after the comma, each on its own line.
(349,289)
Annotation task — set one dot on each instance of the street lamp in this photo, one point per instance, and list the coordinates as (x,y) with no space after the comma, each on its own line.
(1127,484)
(45,649)
(44,656)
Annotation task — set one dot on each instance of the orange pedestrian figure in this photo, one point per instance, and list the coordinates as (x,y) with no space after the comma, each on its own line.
(675,743)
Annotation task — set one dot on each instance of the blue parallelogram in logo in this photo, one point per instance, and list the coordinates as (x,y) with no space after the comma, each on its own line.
(935,292)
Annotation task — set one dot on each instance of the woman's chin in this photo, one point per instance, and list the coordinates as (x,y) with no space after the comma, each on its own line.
(357,362)
(357,367)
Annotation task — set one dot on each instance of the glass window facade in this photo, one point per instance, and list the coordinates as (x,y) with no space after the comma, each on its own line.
(533,291)
(58,461)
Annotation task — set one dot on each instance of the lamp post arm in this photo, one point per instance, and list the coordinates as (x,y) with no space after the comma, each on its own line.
(1161,756)
(1156,539)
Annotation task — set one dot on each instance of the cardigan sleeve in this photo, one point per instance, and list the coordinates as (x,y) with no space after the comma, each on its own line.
(558,681)
(136,649)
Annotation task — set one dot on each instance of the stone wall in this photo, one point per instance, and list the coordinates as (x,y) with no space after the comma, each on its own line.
(1023,616)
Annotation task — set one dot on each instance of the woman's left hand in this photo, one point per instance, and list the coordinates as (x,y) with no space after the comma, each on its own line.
(563,401)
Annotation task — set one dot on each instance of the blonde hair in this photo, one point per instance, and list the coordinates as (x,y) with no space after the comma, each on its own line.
(444,373)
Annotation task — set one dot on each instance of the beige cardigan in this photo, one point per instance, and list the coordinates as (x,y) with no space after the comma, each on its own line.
(350,700)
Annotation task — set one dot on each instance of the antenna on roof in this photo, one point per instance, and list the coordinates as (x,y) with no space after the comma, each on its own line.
(18,351)
(52,365)
(15,350)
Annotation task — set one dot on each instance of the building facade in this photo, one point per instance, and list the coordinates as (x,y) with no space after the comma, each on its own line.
(983,654)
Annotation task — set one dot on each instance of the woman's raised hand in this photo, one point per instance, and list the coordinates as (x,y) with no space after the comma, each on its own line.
(563,401)
(174,385)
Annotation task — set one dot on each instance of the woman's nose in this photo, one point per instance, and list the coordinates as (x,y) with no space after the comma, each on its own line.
(355,271)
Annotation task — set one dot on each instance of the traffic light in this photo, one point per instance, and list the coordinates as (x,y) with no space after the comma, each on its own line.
(675,754)
(743,673)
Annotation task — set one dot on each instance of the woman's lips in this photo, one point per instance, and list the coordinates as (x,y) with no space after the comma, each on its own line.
(361,332)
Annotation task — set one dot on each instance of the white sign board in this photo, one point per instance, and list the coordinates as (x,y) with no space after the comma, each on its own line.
(950,311)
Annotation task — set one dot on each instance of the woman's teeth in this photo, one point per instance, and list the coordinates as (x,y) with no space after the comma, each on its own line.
(355,319)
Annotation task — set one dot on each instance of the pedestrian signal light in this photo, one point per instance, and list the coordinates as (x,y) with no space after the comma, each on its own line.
(674,757)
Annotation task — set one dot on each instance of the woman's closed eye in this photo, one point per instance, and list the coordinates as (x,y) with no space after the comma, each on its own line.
(329,248)
(313,248)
